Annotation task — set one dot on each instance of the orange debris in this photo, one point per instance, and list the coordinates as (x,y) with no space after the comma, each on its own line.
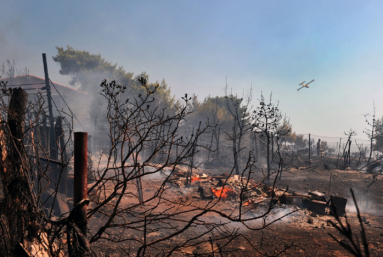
(195,179)
(223,192)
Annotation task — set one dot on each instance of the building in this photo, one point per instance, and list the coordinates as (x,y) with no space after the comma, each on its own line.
(62,96)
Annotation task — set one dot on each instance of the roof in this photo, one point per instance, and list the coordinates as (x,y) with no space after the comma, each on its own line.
(31,82)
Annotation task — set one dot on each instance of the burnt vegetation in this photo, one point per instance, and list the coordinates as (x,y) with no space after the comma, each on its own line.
(167,177)
(145,141)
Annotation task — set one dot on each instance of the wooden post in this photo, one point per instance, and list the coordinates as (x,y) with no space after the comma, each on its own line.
(16,119)
(13,179)
(191,162)
(81,178)
(52,143)
(139,184)
(309,148)
(349,154)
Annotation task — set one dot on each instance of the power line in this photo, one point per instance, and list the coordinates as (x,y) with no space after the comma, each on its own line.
(66,104)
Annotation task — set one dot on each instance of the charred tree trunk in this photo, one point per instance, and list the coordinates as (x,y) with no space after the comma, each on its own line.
(19,200)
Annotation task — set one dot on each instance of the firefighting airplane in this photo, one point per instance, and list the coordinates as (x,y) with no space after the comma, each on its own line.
(304,85)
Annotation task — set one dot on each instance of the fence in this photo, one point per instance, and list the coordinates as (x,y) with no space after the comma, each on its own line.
(335,145)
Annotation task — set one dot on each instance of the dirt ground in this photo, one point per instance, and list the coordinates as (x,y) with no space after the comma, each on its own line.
(306,233)
(313,239)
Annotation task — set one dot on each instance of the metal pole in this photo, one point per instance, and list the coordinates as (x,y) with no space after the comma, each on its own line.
(52,150)
(81,177)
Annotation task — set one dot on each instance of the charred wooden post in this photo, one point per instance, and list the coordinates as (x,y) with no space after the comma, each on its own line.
(15,180)
(52,143)
(81,178)
(191,162)
(139,184)
(16,119)
(309,148)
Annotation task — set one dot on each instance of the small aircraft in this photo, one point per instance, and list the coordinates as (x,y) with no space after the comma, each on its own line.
(304,85)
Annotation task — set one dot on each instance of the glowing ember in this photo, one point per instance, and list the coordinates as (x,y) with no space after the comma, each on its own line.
(223,192)
(247,203)
(195,179)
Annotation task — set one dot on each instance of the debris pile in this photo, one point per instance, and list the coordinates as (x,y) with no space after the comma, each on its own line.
(223,186)
(226,186)
(316,202)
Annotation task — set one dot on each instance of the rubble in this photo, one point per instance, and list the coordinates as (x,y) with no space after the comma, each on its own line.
(226,186)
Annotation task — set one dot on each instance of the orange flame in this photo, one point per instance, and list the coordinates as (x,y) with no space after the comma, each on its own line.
(223,192)
(195,179)
(247,203)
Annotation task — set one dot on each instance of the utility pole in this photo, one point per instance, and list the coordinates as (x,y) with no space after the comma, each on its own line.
(52,152)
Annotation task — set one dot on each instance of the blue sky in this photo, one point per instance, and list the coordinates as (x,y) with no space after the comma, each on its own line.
(194,45)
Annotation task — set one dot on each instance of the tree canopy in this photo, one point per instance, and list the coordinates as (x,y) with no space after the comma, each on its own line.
(88,70)
(213,109)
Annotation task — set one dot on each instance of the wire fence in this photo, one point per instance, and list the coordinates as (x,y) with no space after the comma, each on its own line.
(338,145)
(329,146)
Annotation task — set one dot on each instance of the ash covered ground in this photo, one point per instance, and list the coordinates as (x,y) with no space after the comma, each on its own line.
(305,230)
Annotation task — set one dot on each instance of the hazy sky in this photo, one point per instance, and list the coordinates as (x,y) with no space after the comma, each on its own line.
(194,45)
